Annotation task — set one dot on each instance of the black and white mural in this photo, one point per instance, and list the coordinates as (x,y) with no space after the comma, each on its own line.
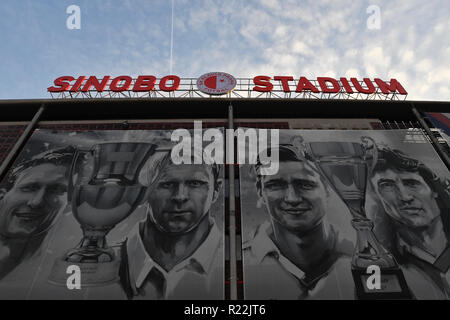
(108,215)
(345,207)
(348,214)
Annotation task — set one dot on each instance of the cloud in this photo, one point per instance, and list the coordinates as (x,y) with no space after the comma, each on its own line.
(245,38)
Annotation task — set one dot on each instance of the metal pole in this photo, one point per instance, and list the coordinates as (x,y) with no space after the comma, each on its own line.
(19,144)
(233,262)
(434,141)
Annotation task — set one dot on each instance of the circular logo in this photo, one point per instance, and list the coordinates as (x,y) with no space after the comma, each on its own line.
(216,83)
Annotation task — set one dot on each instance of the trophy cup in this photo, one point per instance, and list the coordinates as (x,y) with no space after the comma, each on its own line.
(347,165)
(103,190)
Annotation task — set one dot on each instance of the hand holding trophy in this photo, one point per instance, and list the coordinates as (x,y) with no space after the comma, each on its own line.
(103,190)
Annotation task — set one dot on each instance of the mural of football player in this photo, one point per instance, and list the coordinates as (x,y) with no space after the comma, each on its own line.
(297,254)
(413,221)
(31,197)
(177,251)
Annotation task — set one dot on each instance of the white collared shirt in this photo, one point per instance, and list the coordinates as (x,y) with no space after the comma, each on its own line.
(199,276)
(426,281)
(268,274)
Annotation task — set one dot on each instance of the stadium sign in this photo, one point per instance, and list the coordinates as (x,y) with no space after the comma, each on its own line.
(221,83)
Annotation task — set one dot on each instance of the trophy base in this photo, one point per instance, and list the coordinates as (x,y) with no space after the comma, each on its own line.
(92,274)
(393,285)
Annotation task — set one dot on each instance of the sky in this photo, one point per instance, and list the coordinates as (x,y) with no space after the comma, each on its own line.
(244,38)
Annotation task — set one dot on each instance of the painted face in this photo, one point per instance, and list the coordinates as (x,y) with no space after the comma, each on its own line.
(406,197)
(182,197)
(31,205)
(295,197)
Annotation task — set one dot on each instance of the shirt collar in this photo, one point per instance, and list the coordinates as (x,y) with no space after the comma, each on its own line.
(262,246)
(403,246)
(140,263)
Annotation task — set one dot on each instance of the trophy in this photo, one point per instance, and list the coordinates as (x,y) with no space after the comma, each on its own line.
(347,165)
(104,189)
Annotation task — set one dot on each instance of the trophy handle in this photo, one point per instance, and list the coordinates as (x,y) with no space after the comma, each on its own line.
(299,144)
(303,152)
(70,185)
(160,165)
(370,144)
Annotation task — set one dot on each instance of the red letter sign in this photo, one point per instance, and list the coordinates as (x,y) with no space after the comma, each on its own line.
(175,85)
(99,86)
(305,84)
(61,83)
(262,84)
(346,85)
(77,84)
(113,86)
(323,85)
(392,87)
(370,88)
(284,81)
(144,83)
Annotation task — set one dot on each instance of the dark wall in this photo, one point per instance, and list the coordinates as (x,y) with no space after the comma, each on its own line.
(178,108)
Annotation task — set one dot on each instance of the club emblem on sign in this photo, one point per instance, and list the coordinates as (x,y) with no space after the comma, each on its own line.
(216,83)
